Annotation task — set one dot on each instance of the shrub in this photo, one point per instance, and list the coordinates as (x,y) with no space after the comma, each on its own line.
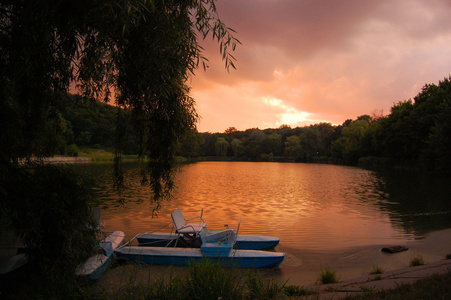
(377,270)
(174,288)
(263,289)
(48,209)
(208,280)
(296,291)
(417,261)
(327,276)
(72,150)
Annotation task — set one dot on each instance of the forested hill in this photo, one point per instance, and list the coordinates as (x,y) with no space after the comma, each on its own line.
(416,134)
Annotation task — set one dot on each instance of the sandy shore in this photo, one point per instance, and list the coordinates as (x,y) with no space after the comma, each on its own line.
(302,267)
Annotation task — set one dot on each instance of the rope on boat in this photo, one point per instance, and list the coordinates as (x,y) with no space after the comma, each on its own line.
(129,243)
(162,228)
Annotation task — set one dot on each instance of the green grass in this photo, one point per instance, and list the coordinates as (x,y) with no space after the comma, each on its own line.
(327,276)
(205,280)
(377,270)
(434,287)
(103,156)
(417,261)
(169,289)
(296,291)
(208,280)
(377,277)
(263,289)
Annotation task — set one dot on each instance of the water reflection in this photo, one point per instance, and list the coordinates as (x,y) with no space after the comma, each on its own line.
(418,202)
(309,206)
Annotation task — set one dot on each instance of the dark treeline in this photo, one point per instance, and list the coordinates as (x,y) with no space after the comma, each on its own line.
(416,134)
(88,123)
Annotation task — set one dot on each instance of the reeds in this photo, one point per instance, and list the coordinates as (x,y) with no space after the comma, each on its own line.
(377,270)
(327,276)
(417,261)
(209,280)
(263,289)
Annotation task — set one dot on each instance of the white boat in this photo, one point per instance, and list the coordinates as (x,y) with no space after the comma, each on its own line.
(95,265)
(13,264)
(187,235)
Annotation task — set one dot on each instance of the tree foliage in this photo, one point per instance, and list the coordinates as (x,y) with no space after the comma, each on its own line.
(416,134)
(135,54)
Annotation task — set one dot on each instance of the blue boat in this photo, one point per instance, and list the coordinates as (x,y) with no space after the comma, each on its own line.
(187,235)
(96,265)
(243,242)
(216,245)
(185,256)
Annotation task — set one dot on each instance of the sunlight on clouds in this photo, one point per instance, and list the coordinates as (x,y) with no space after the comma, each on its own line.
(295,117)
(290,115)
(277,74)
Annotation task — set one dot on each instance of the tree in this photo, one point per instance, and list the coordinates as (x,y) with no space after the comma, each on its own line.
(254,143)
(221,146)
(354,134)
(397,131)
(293,148)
(272,143)
(136,54)
(189,147)
(237,147)
(310,142)
(230,130)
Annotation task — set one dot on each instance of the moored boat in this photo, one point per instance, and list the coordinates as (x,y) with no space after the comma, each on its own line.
(185,256)
(216,245)
(243,242)
(187,235)
(13,265)
(95,265)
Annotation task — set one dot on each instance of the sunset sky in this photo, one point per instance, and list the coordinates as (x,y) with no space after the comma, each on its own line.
(303,62)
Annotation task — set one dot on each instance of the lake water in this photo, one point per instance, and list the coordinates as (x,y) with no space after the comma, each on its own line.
(309,206)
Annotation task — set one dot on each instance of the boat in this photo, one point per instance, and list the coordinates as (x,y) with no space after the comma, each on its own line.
(186,256)
(13,265)
(243,242)
(95,265)
(187,235)
(216,245)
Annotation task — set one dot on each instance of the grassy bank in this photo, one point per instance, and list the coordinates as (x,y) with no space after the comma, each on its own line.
(106,156)
(208,280)
(102,155)
(205,280)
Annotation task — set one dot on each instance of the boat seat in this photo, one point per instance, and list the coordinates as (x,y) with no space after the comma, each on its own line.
(181,226)
(218,236)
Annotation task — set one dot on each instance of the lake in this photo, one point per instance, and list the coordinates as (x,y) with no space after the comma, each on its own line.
(309,206)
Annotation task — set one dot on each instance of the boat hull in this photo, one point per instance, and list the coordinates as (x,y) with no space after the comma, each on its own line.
(186,256)
(96,265)
(243,242)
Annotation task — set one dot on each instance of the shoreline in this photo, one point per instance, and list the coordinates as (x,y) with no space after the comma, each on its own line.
(301,268)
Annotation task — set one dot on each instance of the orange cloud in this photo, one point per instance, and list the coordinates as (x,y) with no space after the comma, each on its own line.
(324,61)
